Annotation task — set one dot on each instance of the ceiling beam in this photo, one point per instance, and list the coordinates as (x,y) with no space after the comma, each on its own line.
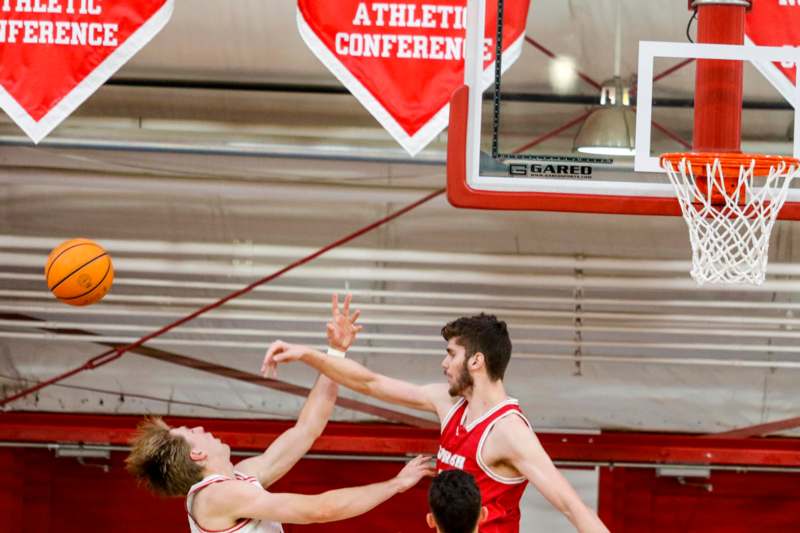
(514,96)
(348,438)
(240,435)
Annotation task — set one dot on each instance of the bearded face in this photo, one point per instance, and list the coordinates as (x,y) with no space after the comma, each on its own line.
(463,381)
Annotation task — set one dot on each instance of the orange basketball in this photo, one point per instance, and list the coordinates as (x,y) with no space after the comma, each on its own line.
(79,272)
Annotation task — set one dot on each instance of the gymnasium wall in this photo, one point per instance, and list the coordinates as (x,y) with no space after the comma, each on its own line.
(637,499)
(42,494)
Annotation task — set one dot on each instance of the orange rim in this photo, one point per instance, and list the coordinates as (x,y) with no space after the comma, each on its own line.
(730,162)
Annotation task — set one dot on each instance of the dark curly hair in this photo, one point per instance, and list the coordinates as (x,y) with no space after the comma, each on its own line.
(455,501)
(485,334)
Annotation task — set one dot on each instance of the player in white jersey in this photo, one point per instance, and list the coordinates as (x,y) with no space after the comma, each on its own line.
(221,497)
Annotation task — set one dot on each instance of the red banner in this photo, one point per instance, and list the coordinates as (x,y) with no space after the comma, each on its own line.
(403,61)
(55,53)
(775,23)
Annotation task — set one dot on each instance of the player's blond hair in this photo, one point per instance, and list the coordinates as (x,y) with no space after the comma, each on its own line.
(162,460)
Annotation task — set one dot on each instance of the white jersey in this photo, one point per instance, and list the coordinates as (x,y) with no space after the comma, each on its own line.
(243,526)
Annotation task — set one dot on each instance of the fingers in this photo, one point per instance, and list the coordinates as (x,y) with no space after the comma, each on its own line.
(421,466)
(268,356)
(335,305)
(346,307)
(270,371)
(276,346)
(427,467)
(268,367)
(427,471)
(280,358)
(345,311)
(420,460)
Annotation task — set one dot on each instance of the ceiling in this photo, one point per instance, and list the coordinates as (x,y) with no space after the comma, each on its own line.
(197,192)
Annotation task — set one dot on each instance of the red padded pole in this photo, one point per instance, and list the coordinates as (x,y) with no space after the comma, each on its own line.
(718,83)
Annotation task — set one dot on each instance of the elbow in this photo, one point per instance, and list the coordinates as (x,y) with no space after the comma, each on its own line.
(575,509)
(369,386)
(579,514)
(570,509)
(311,431)
(329,388)
(323,512)
(316,431)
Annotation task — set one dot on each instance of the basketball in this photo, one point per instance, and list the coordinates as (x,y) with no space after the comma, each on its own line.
(79,272)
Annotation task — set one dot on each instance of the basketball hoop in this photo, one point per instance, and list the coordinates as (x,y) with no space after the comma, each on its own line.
(730,202)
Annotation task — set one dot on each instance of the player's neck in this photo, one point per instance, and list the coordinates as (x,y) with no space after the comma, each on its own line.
(218,467)
(484,395)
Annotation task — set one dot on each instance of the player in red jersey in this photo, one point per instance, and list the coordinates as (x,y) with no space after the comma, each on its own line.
(484,431)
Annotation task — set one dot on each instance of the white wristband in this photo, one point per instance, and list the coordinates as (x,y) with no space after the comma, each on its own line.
(333,352)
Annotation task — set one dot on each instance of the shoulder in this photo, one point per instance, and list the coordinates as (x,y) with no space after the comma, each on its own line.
(510,434)
(512,421)
(438,394)
(224,498)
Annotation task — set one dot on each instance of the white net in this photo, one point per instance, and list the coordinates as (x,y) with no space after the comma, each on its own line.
(730,240)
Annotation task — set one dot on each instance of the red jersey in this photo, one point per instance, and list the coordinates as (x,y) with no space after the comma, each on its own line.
(461,445)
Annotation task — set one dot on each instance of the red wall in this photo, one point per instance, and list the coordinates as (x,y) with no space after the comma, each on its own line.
(636,500)
(42,494)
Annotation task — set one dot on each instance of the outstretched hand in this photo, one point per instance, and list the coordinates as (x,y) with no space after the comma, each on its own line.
(280,352)
(342,329)
(419,467)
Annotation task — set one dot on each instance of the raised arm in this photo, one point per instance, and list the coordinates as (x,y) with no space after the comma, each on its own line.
(341,334)
(239,500)
(513,442)
(433,398)
(292,444)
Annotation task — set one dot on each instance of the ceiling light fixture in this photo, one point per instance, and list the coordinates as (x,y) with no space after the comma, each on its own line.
(609,129)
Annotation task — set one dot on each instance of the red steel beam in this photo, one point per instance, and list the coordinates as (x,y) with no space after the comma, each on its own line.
(243,435)
(233,373)
(580,118)
(672,69)
(552,133)
(591,81)
(240,375)
(117,352)
(672,135)
(758,430)
(577,120)
(667,72)
(347,438)
(683,449)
